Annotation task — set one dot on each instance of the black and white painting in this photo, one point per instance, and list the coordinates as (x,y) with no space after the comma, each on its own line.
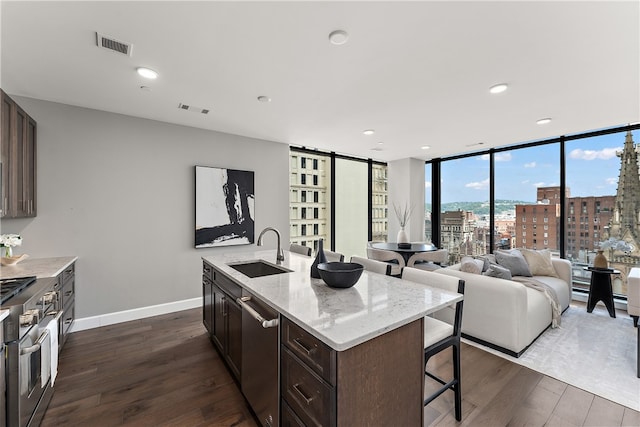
(224,207)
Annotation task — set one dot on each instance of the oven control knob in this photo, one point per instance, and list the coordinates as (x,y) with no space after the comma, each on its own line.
(29,318)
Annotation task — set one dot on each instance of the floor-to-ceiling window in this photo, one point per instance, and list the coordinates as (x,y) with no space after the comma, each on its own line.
(464,198)
(340,199)
(428,234)
(594,174)
(527,198)
(603,198)
(379,200)
(309,198)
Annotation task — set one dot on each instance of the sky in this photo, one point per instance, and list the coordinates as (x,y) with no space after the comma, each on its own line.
(592,170)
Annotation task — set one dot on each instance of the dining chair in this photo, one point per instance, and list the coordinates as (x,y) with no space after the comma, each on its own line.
(442,334)
(429,261)
(372,265)
(394,259)
(333,256)
(300,249)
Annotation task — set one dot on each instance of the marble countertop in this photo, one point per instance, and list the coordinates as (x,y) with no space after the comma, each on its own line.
(341,318)
(39,267)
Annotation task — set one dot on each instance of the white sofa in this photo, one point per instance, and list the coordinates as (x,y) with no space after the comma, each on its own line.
(507,315)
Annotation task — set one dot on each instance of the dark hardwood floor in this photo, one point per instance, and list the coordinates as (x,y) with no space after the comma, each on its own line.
(164,371)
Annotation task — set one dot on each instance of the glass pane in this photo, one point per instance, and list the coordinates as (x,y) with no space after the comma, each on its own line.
(309,201)
(352,205)
(427,202)
(379,218)
(603,184)
(464,222)
(527,198)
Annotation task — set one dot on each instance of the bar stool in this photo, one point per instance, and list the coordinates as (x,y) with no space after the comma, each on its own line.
(439,335)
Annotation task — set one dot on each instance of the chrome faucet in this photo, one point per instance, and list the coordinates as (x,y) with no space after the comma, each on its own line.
(280,256)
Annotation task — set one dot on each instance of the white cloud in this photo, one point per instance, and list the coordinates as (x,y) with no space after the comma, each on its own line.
(502,157)
(604,154)
(484,157)
(526,181)
(530,165)
(482,185)
(539,184)
(427,184)
(611,181)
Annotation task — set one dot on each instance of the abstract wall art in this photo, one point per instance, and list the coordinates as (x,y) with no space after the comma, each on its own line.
(225,204)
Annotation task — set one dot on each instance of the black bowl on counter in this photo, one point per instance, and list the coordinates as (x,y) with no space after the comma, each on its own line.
(340,274)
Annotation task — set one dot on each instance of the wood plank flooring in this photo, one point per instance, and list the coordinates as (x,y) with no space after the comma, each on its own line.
(164,371)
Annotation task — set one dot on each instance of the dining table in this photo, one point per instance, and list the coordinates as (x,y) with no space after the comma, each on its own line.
(405,250)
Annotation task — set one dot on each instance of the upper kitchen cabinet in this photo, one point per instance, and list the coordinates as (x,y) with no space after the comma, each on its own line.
(18,141)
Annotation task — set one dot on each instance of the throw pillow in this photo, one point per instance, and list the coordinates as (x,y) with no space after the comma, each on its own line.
(471,265)
(498,271)
(514,261)
(488,259)
(539,262)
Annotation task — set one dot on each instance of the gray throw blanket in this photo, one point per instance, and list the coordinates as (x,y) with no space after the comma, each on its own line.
(548,292)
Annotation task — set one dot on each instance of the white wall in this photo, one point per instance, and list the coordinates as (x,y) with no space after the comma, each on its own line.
(118,192)
(405,180)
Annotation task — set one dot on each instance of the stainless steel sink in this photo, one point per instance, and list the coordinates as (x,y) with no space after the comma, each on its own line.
(258,268)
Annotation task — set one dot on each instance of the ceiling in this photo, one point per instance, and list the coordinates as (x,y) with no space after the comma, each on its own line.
(418,73)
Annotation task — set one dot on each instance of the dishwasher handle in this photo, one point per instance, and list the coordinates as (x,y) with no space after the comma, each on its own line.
(265,323)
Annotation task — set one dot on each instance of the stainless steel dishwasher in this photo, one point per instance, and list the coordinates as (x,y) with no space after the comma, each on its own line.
(259,373)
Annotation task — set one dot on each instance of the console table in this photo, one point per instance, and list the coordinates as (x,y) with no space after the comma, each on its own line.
(600,289)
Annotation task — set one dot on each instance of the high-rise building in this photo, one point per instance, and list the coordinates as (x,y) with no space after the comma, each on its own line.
(379,210)
(537,225)
(309,201)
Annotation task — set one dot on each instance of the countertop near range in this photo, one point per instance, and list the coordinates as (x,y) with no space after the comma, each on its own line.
(341,318)
(39,267)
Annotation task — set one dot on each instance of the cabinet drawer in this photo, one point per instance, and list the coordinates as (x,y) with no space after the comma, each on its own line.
(68,290)
(207,271)
(288,418)
(68,273)
(226,284)
(311,398)
(68,316)
(317,355)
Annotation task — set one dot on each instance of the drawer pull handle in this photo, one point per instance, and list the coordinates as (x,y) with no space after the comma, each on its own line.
(307,400)
(242,302)
(68,321)
(304,348)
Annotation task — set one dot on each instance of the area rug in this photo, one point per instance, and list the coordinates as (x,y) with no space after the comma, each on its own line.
(591,351)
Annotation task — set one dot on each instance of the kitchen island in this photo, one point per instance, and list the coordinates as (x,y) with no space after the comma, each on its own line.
(347,356)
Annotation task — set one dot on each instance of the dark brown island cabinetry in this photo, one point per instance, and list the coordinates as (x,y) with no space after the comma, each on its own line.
(67,284)
(18,136)
(374,383)
(222,316)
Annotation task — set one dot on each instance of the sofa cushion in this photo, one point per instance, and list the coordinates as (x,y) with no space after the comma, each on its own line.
(514,261)
(496,270)
(539,262)
(471,265)
(488,259)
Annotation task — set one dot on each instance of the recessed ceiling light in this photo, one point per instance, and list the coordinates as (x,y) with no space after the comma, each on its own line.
(380,143)
(499,88)
(145,88)
(147,73)
(544,121)
(338,37)
(425,147)
(369,132)
(263,98)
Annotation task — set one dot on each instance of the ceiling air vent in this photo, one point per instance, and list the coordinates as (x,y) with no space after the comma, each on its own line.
(109,43)
(193,109)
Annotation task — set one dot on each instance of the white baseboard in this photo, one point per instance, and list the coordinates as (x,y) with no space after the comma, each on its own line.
(134,314)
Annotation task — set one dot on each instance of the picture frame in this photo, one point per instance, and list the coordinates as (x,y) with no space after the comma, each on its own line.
(224,207)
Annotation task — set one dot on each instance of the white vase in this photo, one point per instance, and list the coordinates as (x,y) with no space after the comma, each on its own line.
(402,236)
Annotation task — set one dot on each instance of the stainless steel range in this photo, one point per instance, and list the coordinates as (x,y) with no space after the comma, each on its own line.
(32,305)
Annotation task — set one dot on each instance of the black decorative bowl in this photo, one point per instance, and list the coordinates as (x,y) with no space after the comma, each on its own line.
(340,274)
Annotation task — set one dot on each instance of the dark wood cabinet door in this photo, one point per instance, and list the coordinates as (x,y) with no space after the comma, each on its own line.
(18,141)
(207,304)
(233,351)
(218,336)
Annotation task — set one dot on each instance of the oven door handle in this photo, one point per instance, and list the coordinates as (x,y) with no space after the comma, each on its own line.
(44,335)
(37,345)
